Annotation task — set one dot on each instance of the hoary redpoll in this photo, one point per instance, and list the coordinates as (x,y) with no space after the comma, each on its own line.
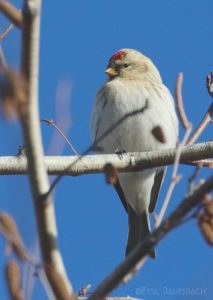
(140,110)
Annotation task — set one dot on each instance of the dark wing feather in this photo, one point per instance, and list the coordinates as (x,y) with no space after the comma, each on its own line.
(159,176)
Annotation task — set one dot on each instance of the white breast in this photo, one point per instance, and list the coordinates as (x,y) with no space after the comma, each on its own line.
(134,110)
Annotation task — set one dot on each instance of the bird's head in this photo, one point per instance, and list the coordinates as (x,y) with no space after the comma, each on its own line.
(131,64)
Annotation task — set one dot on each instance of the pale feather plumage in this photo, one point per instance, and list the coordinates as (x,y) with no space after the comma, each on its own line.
(136,84)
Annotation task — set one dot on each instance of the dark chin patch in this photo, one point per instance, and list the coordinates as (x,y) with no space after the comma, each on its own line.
(119,54)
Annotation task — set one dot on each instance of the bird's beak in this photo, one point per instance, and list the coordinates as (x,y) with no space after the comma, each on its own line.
(111,72)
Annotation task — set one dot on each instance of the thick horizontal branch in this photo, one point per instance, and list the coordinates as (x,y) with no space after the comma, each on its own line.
(90,164)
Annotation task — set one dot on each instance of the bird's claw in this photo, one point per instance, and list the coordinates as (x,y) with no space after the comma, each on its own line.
(21,150)
(120,152)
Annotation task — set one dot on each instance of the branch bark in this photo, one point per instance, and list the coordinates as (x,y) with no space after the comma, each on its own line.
(91,164)
(6,32)
(207,119)
(179,103)
(29,115)
(11,13)
(174,220)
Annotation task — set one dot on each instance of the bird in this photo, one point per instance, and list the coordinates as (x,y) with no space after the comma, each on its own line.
(135,112)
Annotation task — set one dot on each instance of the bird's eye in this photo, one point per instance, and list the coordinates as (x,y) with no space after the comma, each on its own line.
(126,65)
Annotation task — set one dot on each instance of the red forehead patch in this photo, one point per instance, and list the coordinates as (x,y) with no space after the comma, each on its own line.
(118,55)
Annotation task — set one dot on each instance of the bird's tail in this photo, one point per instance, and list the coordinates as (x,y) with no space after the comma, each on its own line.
(139,228)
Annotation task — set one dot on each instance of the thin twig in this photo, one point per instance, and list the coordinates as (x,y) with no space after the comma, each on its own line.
(179,103)
(7,30)
(85,290)
(3,64)
(11,13)
(192,178)
(208,163)
(207,119)
(174,220)
(175,177)
(138,266)
(30,275)
(51,122)
(93,164)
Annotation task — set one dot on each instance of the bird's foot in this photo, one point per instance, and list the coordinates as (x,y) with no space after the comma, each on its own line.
(21,150)
(120,152)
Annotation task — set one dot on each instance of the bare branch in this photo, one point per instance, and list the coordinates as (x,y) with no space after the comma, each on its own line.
(3,64)
(53,263)
(174,220)
(92,164)
(191,184)
(179,103)
(6,31)
(207,119)
(11,13)
(175,177)
(52,123)
(204,163)
(85,290)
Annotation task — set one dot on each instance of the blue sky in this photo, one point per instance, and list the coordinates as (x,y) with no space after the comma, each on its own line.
(77,38)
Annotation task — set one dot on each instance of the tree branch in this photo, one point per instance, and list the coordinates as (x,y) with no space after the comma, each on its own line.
(11,13)
(174,220)
(175,178)
(179,103)
(203,124)
(6,32)
(3,64)
(91,164)
(29,115)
